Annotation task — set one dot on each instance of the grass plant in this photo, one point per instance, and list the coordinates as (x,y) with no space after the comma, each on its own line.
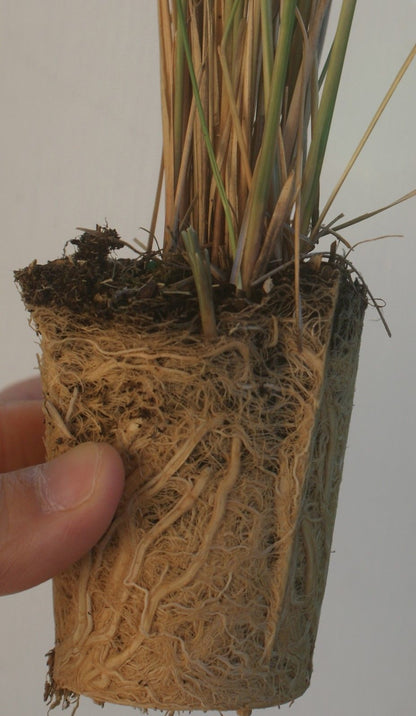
(247,113)
(206,590)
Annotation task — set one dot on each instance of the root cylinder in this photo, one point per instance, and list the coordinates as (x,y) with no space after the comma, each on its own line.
(206,590)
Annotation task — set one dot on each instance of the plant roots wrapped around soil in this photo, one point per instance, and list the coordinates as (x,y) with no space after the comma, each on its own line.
(206,590)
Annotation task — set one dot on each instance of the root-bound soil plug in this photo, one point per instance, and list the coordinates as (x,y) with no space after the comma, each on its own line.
(206,590)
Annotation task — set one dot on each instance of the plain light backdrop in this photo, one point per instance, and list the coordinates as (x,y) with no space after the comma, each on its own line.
(80,144)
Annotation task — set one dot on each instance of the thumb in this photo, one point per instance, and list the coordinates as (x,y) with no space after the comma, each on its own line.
(51,514)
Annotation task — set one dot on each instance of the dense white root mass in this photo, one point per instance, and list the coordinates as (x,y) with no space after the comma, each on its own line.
(205,592)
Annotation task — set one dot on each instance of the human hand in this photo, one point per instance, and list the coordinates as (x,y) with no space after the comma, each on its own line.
(50,513)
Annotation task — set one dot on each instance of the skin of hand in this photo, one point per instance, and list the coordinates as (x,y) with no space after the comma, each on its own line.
(51,513)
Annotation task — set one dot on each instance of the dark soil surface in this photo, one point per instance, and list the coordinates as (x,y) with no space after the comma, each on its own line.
(97,285)
(94,282)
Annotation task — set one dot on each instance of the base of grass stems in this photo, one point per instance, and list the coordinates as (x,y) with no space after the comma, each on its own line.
(206,590)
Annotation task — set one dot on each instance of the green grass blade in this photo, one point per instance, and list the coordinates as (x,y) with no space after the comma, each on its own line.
(403,69)
(205,130)
(250,238)
(370,214)
(201,271)
(310,187)
(267,45)
(228,87)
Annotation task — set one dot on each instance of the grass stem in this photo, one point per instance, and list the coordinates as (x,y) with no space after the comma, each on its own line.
(201,270)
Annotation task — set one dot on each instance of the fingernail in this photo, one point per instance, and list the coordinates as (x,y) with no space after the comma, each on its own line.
(68,481)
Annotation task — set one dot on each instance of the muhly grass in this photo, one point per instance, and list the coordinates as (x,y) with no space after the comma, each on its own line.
(247,105)
(205,592)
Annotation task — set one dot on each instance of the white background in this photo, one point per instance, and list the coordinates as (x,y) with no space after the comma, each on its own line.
(80,144)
